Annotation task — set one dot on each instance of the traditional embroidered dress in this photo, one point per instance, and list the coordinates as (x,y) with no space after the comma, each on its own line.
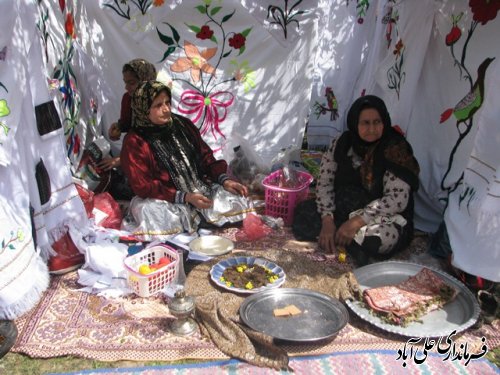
(373,180)
(163,164)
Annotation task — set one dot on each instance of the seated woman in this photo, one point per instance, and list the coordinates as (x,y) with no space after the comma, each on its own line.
(173,172)
(366,185)
(133,73)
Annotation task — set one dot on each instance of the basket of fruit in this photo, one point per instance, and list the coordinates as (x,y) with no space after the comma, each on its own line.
(152,269)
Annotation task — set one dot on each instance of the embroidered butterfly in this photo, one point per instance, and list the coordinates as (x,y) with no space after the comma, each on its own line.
(3,53)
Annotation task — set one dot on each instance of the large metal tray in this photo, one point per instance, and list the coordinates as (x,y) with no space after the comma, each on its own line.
(457,315)
(322,317)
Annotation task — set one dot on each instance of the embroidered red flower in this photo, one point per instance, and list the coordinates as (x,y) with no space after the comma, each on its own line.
(398,48)
(205,33)
(484,10)
(237,41)
(69,26)
(453,36)
(158,3)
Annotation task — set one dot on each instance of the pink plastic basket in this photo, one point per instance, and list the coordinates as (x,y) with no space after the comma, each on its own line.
(281,201)
(152,283)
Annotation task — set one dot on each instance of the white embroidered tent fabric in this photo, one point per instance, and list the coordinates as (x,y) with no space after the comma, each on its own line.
(262,70)
(423,58)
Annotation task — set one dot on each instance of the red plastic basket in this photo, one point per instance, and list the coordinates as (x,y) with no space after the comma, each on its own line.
(281,201)
(152,283)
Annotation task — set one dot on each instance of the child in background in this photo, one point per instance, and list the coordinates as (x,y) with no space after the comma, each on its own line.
(134,72)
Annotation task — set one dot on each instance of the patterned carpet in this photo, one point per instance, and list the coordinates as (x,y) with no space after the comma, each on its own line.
(70,322)
(371,362)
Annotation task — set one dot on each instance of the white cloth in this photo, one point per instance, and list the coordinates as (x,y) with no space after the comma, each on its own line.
(473,214)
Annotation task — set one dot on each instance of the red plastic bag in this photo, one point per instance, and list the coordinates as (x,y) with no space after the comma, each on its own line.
(87,197)
(253,229)
(106,211)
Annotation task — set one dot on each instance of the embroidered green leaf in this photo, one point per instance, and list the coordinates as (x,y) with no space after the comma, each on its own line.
(215,10)
(165,38)
(242,49)
(213,39)
(227,16)
(3,243)
(5,128)
(201,9)
(168,52)
(4,108)
(227,54)
(246,32)
(12,247)
(57,74)
(175,34)
(194,28)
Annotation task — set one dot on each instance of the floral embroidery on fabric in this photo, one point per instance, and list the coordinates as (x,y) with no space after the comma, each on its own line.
(208,98)
(395,74)
(361,9)
(4,111)
(284,17)
(43,28)
(122,8)
(390,19)
(9,244)
(483,11)
(331,105)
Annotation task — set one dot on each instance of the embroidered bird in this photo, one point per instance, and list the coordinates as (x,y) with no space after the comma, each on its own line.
(468,106)
(333,106)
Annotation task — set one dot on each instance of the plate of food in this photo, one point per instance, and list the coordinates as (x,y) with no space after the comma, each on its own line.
(244,274)
(413,300)
(294,314)
(211,245)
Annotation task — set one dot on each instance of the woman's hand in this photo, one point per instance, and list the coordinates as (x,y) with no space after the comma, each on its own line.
(327,235)
(345,234)
(235,187)
(198,200)
(107,164)
(114,132)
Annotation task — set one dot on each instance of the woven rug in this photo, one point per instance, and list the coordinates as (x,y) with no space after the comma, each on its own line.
(370,362)
(69,322)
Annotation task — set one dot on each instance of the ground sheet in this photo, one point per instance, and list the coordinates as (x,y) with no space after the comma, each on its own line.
(70,322)
(366,362)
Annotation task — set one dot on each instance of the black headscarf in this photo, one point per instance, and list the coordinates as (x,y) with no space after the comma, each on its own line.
(391,152)
(171,143)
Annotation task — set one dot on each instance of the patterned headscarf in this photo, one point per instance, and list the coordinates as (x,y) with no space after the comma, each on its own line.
(171,143)
(391,152)
(144,70)
(141,102)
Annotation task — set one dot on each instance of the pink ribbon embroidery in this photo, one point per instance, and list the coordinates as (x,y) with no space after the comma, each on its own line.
(214,108)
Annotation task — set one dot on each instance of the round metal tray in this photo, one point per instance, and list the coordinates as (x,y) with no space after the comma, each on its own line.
(211,245)
(322,316)
(457,315)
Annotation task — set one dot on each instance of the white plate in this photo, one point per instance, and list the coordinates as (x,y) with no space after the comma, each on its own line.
(457,315)
(211,245)
(218,269)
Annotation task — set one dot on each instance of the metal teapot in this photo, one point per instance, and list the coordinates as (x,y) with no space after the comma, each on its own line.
(182,308)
